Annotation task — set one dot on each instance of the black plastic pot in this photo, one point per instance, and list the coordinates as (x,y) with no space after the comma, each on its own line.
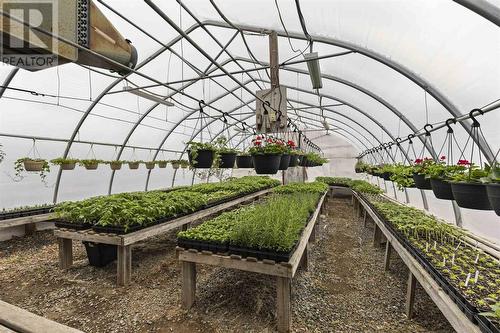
(203,160)
(471,195)
(442,189)
(100,254)
(227,160)
(244,162)
(303,161)
(266,164)
(294,161)
(285,162)
(493,191)
(386,175)
(421,182)
(357,170)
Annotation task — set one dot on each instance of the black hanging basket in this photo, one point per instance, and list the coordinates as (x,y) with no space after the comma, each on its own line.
(266,164)
(203,160)
(303,161)
(421,182)
(493,191)
(285,162)
(244,162)
(471,195)
(294,161)
(227,160)
(386,175)
(100,254)
(442,189)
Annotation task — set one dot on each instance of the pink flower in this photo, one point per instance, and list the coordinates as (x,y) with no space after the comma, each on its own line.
(463,162)
(418,161)
(443,158)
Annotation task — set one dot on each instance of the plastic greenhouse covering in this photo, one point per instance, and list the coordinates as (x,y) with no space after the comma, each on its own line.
(389,68)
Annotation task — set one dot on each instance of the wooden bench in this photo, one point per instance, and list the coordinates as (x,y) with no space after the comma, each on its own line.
(29,222)
(450,310)
(284,272)
(15,319)
(123,242)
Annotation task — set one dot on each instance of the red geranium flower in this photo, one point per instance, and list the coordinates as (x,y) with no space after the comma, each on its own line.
(443,158)
(463,162)
(418,161)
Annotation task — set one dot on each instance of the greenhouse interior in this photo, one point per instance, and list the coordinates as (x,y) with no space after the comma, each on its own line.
(250,166)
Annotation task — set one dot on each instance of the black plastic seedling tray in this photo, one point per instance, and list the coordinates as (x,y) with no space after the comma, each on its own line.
(74,226)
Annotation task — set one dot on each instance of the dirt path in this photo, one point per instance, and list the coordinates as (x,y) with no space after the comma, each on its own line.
(345,289)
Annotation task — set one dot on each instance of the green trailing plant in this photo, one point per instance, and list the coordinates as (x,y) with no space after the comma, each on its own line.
(19,167)
(472,174)
(194,147)
(222,146)
(402,175)
(62,160)
(360,166)
(89,162)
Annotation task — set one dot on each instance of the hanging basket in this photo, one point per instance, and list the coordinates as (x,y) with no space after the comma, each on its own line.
(244,162)
(32,165)
(162,164)
(285,162)
(471,195)
(203,160)
(442,189)
(150,165)
(184,166)
(266,164)
(493,191)
(133,165)
(175,165)
(115,165)
(68,166)
(227,160)
(421,182)
(386,175)
(91,166)
(294,161)
(303,161)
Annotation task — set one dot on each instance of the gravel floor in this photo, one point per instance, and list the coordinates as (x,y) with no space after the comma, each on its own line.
(345,289)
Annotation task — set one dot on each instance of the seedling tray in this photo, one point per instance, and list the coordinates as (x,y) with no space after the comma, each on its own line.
(74,226)
(486,325)
(24,213)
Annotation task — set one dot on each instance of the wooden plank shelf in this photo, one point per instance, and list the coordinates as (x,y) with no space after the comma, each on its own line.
(15,319)
(29,222)
(284,271)
(124,242)
(417,273)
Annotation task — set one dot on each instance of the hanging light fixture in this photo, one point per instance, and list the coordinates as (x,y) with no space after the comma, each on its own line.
(314,70)
(147,95)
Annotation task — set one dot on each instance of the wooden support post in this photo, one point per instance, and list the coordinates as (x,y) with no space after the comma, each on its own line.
(364,217)
(186,226)
(124,265)
(29,229)
(65,252)
(283,308)
(377,236)
(274,59)
(410,295)
(188,284)
(312,238)
(387,260)
(360,209)
(304,261)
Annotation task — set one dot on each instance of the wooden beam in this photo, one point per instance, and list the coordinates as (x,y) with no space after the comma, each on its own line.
(274,59)
(124,265)
(410,294)
(65,253)
(304,261)
(283,304)
(377,236)
(188,284)
(4,224)
(20,320)
(387,259)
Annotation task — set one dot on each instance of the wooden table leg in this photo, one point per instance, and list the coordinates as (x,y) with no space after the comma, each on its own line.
(188,284)
(364,217)
(283,308)
(410,295)
(65,252)
(377,236)
(186,226)
(29,229)
(387,259)
(124,265)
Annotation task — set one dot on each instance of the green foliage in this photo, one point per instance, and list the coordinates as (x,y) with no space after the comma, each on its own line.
(19,167)
(222,147)
(86,163)
(365,187)
(335,180)
(495,311)
(268,149)
(61,160)
(440,170)
(275,224)
(315,158)
(25,208)
(472,174)
(493,174)
(315,187)
(361,166)
(402,175)
(115,162)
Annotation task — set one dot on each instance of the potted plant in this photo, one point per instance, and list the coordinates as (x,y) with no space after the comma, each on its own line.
(244,160)
(115,165)
(285,158)
(402,175)
(162,164)
(175,164)
(32,165)
(419,173)
(360,167)
(493,187)
(201,155)
(467,188)
(266,155)
(386,171)
(440,173)
(150,165)
(133,165)
(184,164)
(91,164)
(226,157)
(65,163)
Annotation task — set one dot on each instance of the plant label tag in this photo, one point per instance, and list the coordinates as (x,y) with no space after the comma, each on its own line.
(435,243)
(453,259)
(467,280)
(427,247)
(476,276)
(444,261)
(477,259)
